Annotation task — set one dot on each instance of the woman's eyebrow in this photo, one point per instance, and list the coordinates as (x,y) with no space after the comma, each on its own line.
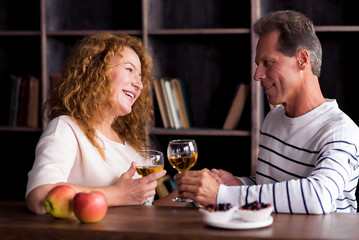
(133,66)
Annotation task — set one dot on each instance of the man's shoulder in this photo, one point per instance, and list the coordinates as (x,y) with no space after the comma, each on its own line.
(341,121)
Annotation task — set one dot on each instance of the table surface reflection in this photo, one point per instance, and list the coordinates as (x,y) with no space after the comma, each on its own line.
(154,222)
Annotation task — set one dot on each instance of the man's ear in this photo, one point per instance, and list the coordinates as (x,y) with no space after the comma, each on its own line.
(303,58)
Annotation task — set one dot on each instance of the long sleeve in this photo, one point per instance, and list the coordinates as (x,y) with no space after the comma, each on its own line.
(330,186)
(305,165)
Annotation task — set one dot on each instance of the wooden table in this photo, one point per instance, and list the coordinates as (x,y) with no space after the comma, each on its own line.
(170,223)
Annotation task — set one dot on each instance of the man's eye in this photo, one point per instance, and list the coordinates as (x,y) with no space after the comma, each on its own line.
(267,63)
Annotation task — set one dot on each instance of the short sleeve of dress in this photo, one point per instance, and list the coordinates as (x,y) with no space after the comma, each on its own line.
(55,154)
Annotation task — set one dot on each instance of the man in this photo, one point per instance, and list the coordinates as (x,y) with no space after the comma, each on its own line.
(308,157)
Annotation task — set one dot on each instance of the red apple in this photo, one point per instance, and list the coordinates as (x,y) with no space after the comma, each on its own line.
(58,201)
(90,207)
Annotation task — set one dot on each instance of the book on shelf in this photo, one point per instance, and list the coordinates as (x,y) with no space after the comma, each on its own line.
(161,189)
(167,103)
(24,102)
(173,105)
(14,100)
(172,102)
(185,99)
(165,185)
(237,106)
(161,102)
(34,102)
(170,184)
(180,100)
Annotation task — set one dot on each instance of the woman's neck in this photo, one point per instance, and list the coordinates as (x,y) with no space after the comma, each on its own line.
(106,129)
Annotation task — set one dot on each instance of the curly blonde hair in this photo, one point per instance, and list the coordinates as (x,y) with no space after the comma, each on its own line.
(83,91)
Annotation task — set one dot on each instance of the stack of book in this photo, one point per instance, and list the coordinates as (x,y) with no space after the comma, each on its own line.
(24,101)
(172,102)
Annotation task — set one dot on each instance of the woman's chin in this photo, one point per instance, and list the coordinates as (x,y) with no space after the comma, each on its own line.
(124,112)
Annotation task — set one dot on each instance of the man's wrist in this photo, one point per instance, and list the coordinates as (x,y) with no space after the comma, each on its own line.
(228,194)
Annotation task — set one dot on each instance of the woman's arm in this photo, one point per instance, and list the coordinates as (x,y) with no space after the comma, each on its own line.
(125,191)
(167,200)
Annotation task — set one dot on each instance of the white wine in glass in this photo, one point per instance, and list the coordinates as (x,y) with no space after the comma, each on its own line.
(147,162)
(182,155)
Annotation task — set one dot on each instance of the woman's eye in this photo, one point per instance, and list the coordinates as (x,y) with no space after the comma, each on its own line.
(130,70)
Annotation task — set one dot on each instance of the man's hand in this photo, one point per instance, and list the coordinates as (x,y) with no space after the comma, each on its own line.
(226,177)
(200,186)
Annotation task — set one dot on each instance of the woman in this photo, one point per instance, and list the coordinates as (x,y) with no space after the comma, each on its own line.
(100,112)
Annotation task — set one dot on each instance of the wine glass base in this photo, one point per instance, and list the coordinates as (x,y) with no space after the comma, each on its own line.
(149,201)
(177,199)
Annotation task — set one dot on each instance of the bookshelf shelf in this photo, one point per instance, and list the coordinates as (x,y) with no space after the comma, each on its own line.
(86,32)
(337,28)
(199,132)
(20,33)
(206,31)
(19,129)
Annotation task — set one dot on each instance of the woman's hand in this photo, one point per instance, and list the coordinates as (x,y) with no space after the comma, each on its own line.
(129,191)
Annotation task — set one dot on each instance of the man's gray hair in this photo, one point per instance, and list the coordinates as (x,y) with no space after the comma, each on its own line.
(296,32)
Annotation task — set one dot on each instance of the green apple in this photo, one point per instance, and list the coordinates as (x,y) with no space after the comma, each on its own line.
(58,201)
(90,207)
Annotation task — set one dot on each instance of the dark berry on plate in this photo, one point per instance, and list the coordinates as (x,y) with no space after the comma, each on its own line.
(255,206)
(219,207)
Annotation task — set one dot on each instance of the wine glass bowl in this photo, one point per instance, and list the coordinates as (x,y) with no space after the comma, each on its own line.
(149,161)
(182,155)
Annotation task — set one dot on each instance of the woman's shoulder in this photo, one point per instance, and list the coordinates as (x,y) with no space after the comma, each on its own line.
(61,125)
(63,120)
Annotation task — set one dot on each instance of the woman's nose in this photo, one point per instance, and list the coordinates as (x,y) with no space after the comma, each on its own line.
(137,82)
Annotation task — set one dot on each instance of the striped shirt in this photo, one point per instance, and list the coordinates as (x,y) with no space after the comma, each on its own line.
(307,164)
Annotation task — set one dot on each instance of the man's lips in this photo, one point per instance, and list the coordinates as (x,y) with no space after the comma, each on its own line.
(268,86)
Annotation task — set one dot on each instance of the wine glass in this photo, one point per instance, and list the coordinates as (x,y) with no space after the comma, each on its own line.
(147,162)
(182,155)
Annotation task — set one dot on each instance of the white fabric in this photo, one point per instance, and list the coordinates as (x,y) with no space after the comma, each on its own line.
(64,154)
(307,164)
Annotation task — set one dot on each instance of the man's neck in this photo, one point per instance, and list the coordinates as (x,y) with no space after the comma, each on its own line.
(309,98)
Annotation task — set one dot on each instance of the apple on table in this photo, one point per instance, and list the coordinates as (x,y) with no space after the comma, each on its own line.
(90,206)
(58,201)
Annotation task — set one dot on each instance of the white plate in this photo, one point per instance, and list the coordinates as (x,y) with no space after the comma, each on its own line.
(237,223)
(218,216)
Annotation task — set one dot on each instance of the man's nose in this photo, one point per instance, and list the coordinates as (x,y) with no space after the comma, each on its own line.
(259,74)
